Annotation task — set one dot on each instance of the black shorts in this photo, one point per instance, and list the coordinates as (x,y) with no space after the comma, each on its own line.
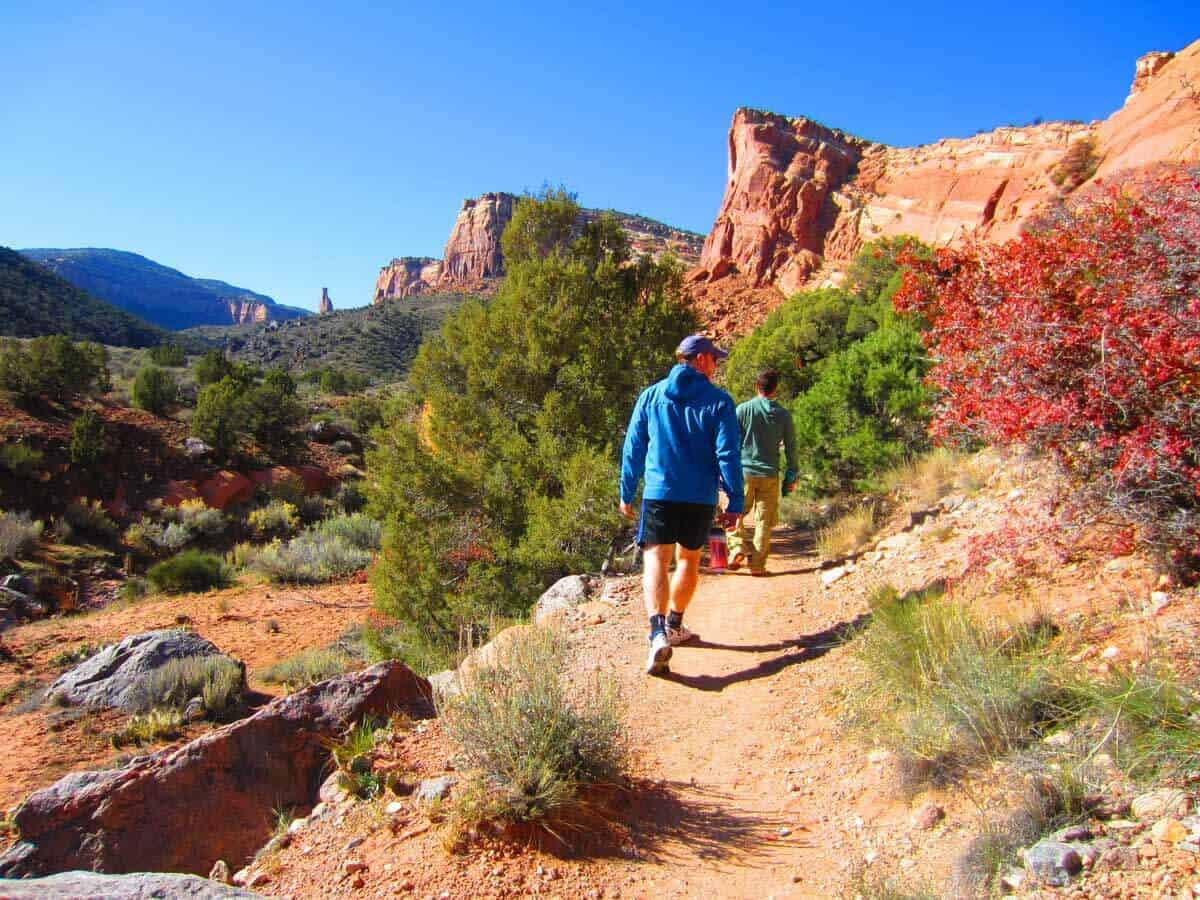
(669,522)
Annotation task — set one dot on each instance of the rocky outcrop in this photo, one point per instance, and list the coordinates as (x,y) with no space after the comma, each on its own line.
(473,251)
(473,260)
(181,810)
(800,196)
(326,306)
(140,886)
(245,310)
(115,677)
(407,276)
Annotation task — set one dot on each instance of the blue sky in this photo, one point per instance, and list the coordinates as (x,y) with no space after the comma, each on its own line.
(284,150)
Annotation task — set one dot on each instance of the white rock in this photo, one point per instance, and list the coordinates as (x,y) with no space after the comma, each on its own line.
(297,826)
(829,576)
(1110,653)
(394,807)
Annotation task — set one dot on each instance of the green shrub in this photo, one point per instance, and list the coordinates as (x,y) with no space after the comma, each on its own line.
(217,680)
(155,390)
(168,355)
(952,692)
(197,517)
(218,417)
(87,438)
(867,411)
(21,459)
(350,497)
(190,571)
(212,367)
(89,519)
(310,558)
(307,667)
(357,530)
(19,533)
(271,415)
(277,519)
(52,367)
(1078,164)
(134,589)
(363,413)
(155,725)
(506,393)
(534,750)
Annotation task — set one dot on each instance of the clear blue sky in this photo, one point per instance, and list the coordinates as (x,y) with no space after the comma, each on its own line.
(284,149)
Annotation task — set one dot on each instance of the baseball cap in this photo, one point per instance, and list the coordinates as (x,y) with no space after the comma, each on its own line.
(698,343)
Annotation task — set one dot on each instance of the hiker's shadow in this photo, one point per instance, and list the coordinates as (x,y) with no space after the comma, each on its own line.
(802,649)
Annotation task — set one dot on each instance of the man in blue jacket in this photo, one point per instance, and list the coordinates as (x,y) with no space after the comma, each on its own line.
(684,438)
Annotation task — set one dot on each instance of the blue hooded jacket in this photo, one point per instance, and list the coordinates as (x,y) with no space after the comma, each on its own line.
(683,436)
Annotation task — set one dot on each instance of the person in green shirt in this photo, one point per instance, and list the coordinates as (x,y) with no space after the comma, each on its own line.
(765,425)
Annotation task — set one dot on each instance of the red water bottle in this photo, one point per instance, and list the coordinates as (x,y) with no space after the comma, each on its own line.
(718,550)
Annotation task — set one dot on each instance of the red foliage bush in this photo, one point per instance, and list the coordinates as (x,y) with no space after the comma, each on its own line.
(1081,337)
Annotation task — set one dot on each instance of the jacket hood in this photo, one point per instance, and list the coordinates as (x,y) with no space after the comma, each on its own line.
(685,383)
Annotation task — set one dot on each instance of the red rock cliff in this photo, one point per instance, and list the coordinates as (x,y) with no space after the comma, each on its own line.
(800,195)
(473,260)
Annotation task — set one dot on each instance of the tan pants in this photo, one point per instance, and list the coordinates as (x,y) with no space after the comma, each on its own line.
(762,500)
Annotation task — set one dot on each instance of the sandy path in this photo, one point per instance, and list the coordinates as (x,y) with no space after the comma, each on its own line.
(757,798)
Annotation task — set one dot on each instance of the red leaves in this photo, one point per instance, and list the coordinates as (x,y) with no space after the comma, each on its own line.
(1080,337)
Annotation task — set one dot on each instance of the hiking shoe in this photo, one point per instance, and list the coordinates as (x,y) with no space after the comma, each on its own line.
(660,655)
(759,573)
(680,635)
(737,561)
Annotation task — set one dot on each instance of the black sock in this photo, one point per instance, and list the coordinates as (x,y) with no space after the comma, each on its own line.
(658,625)
(674,620)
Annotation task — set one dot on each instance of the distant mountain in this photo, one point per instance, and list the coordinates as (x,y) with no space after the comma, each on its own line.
(380,341)
(157,293)
(35,302)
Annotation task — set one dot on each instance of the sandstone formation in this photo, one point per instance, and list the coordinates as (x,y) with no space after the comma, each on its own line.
(802,198)
(407,276)
(114,678)
(326,306)
(181,810)
(244,310)
(473,261)
(473,250)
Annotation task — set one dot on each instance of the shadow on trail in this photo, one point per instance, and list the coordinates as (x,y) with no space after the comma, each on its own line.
(654,821)
(811,646)
(673,819)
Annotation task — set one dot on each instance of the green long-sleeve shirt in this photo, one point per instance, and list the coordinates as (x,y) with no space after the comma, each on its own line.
(765,425)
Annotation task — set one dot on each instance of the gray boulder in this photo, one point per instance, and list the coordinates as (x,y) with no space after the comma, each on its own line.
(113,676)
(432,789)
(1052,862)
(565,593)
(139,886)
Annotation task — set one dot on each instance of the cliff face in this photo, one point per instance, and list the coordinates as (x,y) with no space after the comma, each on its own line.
(326,305)
(246,309)
(473,260)
(802,198)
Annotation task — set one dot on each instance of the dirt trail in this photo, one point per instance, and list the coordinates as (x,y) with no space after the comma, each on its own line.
(759,792)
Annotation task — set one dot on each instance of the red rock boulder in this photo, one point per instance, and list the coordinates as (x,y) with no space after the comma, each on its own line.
(181,810)
(226,489)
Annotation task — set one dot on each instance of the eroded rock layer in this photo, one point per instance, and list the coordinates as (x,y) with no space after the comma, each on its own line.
(473,260)
(801,196)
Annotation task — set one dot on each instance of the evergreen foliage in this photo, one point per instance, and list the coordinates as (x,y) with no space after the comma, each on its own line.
(501,477)
(52,368)
(87,438)
(35,302)
(154,390)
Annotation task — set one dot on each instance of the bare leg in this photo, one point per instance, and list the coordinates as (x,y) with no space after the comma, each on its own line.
(683,584)
(656,561)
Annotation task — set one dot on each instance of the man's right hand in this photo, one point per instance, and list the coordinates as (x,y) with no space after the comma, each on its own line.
(627,510)
(728,519)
